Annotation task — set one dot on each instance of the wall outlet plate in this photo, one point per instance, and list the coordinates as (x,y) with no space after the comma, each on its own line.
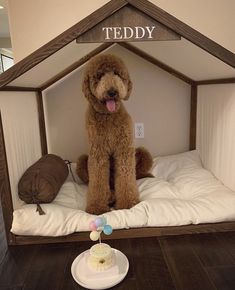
(139,130)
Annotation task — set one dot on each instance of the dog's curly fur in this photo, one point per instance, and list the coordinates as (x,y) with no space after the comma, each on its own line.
(143,164)
(110,133)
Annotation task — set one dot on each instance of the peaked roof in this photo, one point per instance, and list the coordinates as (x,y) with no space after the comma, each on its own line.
(34,60)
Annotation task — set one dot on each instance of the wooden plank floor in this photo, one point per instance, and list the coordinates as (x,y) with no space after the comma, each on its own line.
(203,261)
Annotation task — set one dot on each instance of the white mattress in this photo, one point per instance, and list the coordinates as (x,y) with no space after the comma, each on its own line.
(181,193)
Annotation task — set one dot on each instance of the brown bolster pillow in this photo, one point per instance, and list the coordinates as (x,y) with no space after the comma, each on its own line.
(42,181)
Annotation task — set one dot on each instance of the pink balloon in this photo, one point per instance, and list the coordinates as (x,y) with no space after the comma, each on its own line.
(92,226)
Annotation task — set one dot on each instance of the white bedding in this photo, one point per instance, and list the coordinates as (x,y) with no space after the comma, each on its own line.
(182,193)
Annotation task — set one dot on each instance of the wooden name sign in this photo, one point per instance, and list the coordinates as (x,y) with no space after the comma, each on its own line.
(126,32)
(128,24)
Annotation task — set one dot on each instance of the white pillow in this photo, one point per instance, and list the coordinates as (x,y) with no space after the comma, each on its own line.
(164,167)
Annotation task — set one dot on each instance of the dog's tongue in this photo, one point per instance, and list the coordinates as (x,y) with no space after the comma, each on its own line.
(111,105)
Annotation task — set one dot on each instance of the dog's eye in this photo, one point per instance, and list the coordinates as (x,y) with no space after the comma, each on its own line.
(116,73)
(99,76)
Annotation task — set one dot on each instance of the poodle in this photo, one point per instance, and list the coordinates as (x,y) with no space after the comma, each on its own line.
(111,165)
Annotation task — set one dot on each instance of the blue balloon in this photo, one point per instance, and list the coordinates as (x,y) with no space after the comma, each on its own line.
(107,230)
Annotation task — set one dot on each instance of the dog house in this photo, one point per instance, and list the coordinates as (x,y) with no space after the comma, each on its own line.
(184,93)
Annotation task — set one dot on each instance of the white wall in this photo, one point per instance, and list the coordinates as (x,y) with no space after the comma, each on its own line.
(34,23)
(159,100)
(5,42)
(216,130)
(21,134)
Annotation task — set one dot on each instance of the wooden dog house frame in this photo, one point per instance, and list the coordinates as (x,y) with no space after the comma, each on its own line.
(16,80)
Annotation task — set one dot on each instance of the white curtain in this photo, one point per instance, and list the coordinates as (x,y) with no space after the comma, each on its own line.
(21,133)
(216,130)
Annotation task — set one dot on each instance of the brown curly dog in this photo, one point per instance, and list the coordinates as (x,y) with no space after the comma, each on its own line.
(110,133)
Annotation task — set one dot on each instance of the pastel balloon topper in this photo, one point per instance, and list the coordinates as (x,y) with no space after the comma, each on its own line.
(98,226)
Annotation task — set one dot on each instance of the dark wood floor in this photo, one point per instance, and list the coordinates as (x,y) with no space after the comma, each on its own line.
(200,262)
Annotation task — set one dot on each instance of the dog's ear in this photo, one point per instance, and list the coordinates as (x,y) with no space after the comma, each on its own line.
(129,89)
(86,85)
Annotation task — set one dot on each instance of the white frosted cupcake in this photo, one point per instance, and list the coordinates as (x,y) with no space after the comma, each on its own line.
(101,257)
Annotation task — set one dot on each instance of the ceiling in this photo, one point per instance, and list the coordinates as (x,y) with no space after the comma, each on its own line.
(4,25)
(181,55)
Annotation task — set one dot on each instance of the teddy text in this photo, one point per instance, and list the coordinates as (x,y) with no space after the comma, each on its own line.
(127,32)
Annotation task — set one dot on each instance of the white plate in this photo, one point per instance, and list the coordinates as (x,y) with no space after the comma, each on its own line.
(90,279)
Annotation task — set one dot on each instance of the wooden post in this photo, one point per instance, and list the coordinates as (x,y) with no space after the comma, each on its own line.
(5,190)
(42,126)
(193,118)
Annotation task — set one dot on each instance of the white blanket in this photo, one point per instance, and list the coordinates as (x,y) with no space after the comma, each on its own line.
(181,193)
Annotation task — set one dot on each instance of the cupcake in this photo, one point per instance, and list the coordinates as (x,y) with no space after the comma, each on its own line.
(101,257)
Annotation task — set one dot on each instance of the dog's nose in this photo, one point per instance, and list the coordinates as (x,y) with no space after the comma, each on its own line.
(112,93)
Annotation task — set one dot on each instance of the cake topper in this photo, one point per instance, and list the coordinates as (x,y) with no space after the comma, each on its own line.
(98,226)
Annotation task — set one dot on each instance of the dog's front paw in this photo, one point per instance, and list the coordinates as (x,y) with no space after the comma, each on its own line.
(97,209)
(126,203)
(127,195)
